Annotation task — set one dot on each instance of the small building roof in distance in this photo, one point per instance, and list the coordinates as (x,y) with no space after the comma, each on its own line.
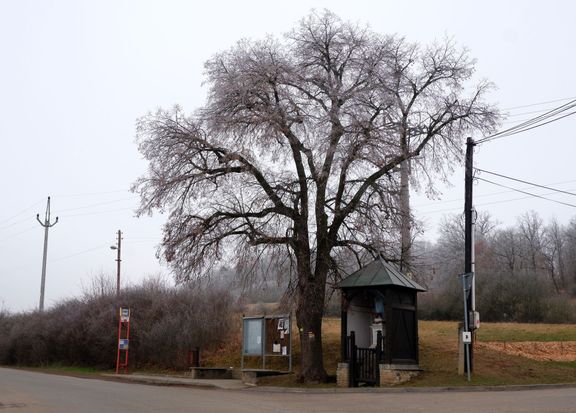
(379,273)
(264,309)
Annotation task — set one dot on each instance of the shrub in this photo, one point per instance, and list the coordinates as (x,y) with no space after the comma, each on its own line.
(500,297)
(166,322)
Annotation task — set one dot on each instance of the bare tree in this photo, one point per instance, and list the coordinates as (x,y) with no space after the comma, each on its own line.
(532,234)
(296,150)
(507,250)
(450,245)
(570,255)
(554,252)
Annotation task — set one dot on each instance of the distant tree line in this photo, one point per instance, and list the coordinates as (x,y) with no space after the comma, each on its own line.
(166,323)
(525,272)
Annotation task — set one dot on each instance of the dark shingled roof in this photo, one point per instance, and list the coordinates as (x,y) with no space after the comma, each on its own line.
(379,273)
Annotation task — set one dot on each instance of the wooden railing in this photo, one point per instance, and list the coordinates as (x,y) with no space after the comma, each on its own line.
(364,362)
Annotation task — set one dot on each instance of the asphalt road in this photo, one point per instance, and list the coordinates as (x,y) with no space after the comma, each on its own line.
(22,391)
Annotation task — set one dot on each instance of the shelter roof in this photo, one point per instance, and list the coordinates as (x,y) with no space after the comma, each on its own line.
(379,273)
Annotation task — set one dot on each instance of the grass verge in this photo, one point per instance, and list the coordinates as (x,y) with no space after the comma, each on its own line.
(439,356)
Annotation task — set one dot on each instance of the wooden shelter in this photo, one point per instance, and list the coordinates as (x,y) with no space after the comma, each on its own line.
(379,330)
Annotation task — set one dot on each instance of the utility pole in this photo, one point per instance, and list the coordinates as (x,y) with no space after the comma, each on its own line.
(46,224)
(469,219)
(118,248)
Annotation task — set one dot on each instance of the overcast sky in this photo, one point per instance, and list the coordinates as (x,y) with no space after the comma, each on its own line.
(75,75)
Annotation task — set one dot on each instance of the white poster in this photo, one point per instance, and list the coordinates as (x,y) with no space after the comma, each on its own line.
(253,336)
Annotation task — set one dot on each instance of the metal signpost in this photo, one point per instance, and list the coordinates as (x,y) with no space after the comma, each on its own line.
(467,280)
(123,340)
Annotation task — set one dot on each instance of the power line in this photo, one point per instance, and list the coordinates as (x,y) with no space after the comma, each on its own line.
(544,119)
(526,182)
(535,126)
(531,112)
(438,211)
(21,212)
(11,224)
(432,204)
(92,193)
(99,204)
(514,121)
(541,103)
(528,113)
(15,223)
(8,240)
(510,200)
(80,252)
(145,241)
(531,123)
(98,212)
(527,193)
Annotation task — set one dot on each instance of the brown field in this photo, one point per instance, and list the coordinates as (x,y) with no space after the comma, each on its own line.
(535,350)
(505,353)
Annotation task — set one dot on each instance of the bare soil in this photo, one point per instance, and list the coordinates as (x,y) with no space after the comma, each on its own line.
(535,350)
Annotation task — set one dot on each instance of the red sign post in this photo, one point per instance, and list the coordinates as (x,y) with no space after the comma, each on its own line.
(123,340)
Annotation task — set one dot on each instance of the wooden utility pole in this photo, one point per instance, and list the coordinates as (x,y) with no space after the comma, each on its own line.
(469,241)
(46,224)
(118,248)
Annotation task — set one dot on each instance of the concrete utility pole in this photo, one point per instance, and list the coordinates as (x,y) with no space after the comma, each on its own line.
(46,224)
(469,219)
(118,247)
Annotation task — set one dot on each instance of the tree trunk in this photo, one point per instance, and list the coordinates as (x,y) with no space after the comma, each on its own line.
(405,217)
(309,313)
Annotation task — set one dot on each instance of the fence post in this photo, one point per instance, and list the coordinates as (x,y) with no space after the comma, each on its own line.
(379,353)
(352,359)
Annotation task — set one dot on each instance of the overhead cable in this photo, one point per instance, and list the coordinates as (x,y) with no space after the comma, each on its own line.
(21,212)
(526,182)
(541,103)
(101,246)
(527,193)
(544,119)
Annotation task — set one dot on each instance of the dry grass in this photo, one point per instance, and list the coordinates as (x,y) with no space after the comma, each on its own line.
(439,355)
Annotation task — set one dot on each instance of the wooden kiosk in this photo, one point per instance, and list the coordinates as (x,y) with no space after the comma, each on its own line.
(379,330)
